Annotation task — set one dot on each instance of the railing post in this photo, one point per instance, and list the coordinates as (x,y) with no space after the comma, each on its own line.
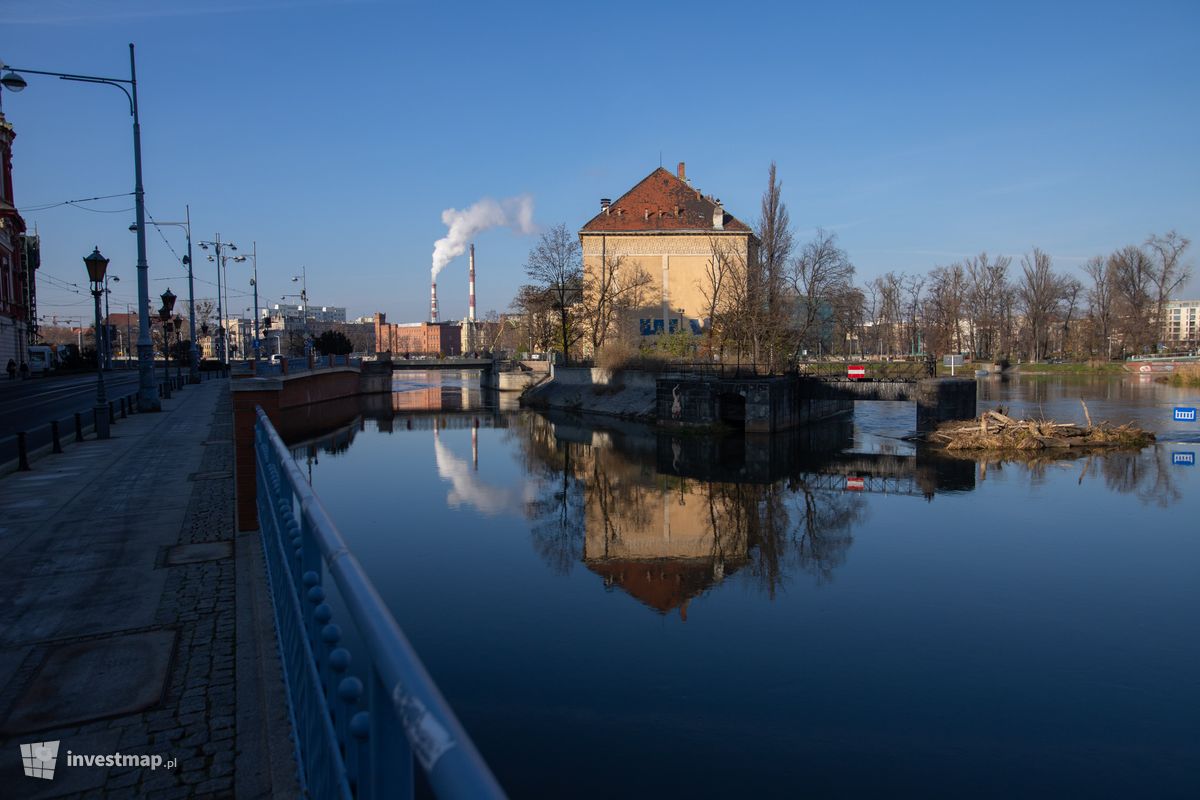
(391,756)
(358,756)
(22,453)
(56,444)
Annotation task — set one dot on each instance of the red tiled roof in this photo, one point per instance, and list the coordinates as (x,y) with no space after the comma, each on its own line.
(661,202)
(663,584)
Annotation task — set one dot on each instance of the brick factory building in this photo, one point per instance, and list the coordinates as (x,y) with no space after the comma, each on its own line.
(672,231)
(417,338)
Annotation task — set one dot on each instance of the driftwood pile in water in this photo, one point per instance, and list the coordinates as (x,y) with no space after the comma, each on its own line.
(993,430)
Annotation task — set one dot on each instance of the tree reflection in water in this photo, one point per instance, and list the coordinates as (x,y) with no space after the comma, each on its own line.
(668,538)
(665,517)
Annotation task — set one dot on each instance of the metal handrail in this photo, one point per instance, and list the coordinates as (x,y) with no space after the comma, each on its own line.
(873,370)
(344,751)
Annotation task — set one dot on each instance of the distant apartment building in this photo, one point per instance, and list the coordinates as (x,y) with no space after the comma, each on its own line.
(1181,326)
(314,313)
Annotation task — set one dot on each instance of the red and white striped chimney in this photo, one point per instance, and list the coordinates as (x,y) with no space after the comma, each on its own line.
(471,304)
(433,314)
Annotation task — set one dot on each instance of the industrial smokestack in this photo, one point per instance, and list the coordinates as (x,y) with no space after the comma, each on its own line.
(471,305)
(433,314)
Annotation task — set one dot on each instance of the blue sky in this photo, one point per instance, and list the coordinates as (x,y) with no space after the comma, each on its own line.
(335,133)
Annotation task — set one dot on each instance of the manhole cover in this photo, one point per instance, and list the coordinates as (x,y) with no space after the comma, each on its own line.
(204,551)
(94,679)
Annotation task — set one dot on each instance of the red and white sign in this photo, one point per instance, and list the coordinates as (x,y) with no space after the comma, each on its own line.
(854,484)
(856,371)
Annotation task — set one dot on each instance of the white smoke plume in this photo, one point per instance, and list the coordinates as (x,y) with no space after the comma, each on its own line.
(513,212)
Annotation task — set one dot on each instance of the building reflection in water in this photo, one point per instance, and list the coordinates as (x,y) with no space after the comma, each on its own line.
(665,517)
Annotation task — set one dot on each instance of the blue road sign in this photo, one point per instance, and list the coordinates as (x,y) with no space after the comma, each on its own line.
(1185,414)
(1185,459)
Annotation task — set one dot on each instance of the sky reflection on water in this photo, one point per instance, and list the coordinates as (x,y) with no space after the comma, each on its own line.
(615,611)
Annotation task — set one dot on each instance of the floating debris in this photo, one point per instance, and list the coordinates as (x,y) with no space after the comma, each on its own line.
(994,430)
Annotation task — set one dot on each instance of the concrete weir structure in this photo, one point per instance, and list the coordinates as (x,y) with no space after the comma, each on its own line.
(769,404)
(756,404)
(753,403)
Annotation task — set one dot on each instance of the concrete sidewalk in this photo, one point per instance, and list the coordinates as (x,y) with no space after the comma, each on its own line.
(133,620)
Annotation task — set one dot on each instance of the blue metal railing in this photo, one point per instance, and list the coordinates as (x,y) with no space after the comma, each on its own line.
(357,727)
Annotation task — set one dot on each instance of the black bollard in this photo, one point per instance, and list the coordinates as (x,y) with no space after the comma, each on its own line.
(57,445)
(78,427)
(122,408)
(112,416)
(22,454)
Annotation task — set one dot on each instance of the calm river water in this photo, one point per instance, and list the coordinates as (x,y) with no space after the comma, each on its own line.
(618,613)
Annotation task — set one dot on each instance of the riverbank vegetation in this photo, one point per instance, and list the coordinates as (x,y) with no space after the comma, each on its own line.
(792,299)
(1091,367)
(1188,376)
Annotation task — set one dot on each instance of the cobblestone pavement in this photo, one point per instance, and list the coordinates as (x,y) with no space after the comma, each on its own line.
(126,602)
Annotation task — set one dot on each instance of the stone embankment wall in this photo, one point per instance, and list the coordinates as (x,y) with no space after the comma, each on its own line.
(596,391)
(755,404)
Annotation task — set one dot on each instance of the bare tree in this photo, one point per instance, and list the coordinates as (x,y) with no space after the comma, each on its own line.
(1168,274)
(944,309)
(534,306)
(614,287)
(1100,302)
(554,265)
(775,249)
(818,273)
(890,288)
(871,310)
(1070,289)
(1039,293)
(913,285)
(848,312)
(988,298)
(714,287)
(1131,275)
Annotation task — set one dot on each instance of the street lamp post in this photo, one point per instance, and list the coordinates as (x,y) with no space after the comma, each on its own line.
(108,349)
(302,278)
(194,350)
(164,314)
(178,321)
(254,284)
(96,265)
(220,259)
(13,81)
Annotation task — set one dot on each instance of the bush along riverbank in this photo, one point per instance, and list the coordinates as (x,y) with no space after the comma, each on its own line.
(1094,367)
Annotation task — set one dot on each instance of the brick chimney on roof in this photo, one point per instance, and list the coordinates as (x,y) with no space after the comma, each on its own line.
(682,172)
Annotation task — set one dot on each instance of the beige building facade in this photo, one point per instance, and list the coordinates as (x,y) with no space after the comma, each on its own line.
(673,232)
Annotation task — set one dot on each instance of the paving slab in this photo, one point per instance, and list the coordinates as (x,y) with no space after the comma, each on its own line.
(193,553)
(94,679)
